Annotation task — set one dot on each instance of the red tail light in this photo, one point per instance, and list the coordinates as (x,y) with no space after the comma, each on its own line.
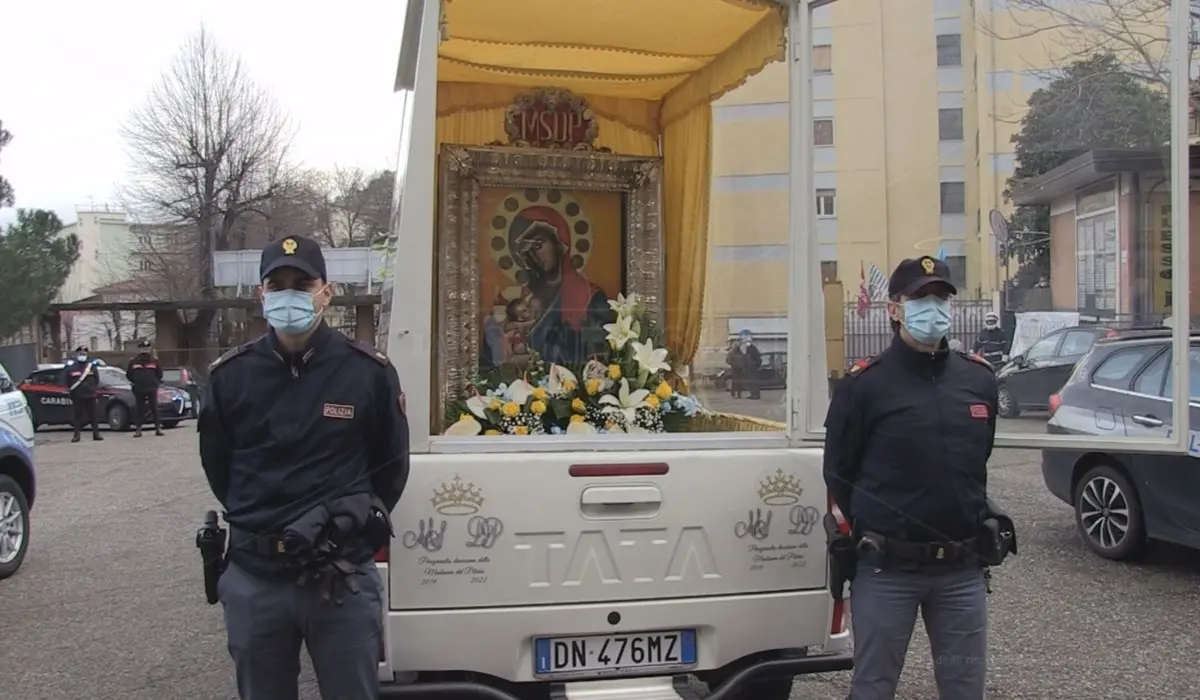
(1054,403)
(837,622)
(1111,334)
(381,557)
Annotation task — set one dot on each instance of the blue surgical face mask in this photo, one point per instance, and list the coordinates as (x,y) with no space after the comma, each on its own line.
(927,319)
(289,311)
(81,358)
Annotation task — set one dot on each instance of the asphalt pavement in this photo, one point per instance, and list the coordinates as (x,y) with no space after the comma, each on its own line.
(110,603)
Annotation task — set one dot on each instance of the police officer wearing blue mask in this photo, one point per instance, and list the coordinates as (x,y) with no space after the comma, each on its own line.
(908,437)
(304,442)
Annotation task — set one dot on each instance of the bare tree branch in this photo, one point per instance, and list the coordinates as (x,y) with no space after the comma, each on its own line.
(209,152)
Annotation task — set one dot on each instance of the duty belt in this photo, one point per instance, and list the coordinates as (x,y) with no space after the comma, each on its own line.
(926,552)
(270,545)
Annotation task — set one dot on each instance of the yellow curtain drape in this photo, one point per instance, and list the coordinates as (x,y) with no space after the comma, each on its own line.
(687,174)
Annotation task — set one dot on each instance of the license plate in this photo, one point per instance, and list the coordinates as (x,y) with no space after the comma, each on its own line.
(613,652)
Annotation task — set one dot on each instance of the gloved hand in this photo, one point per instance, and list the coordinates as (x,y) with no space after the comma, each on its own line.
(334,576)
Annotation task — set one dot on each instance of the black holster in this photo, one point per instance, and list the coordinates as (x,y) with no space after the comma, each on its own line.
(210,540)
(843,556)
(997,535)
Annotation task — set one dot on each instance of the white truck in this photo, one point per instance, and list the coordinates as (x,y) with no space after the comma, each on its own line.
(622,564)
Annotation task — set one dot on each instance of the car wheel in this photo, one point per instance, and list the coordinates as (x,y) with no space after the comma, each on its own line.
(168,424)
(1008,406)
(118,418)
(1109,514)
(14,526)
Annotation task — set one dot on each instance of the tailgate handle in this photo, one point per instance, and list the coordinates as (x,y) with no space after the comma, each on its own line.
(620,501)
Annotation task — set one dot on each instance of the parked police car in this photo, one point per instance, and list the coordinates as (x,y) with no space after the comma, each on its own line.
(48,396)
(16,475)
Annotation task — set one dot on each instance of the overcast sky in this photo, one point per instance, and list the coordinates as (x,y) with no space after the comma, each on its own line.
(70,72)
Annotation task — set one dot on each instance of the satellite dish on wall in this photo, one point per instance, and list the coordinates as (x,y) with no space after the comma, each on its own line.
(999,225)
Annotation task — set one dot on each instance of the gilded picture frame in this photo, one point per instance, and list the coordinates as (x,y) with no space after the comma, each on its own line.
(465,171)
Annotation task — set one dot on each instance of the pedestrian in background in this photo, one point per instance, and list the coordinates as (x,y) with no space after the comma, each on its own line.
(145,374)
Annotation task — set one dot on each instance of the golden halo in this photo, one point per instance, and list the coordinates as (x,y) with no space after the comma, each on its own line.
(501,236)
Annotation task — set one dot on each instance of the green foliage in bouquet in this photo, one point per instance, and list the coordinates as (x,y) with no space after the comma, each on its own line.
(625,391)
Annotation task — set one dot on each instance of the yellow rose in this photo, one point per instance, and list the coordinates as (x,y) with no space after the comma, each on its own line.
(511,409)
(568,386)
(614,372)
(578,406)
(538,407)
(652,401)
(495,405)
(539,393)
(491,432)
(520,430)
(664,391)
(593,386)
(576,418)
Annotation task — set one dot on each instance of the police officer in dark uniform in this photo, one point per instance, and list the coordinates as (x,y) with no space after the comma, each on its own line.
(145,374)
(303,439)
(83,378)
(992,342)
(909,434)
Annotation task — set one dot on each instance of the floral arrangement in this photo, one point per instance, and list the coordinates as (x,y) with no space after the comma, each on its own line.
(629,391)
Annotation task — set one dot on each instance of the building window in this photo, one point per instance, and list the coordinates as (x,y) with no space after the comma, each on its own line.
(958,271)
(822,59)
(954,198)
(1096,252)
(829,271)
(144,265)
(826,204)
(950,124)
(949,49)
(822,132)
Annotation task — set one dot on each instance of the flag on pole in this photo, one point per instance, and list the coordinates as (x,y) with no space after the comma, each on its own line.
(877,284)
(864,298)
(942,252)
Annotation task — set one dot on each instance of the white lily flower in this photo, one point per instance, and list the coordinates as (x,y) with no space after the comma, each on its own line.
(649,358)
(478,405)
(559,378)
(620,332)
(465,426)
(625,402)
(519,391)
(580,428)
(623,305)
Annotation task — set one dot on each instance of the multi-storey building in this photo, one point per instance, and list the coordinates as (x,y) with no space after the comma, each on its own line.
(914,107)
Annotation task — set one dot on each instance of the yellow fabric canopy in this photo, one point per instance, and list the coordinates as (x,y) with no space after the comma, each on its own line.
(650,70)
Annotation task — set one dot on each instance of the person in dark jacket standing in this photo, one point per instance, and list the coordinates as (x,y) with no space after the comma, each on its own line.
(145,373)
(908,437)
(303,437)
(83,377)
(992,342)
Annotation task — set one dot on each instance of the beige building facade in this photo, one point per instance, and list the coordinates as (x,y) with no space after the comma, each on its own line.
(914,106)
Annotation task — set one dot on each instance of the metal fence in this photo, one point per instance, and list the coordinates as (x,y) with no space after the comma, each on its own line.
(870,332)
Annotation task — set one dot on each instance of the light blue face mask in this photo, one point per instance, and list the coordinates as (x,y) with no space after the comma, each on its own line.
(289,311)
(927,319)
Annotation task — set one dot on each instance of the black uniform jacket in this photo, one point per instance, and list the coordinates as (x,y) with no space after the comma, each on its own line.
(282,433)
(83,378)
(908,437)
(144,373)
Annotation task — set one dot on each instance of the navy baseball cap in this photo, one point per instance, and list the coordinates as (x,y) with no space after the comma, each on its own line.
(913,273)
(303,254)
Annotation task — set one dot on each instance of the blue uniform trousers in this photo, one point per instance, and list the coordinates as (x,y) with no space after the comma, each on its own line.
(266,622)
(953,603)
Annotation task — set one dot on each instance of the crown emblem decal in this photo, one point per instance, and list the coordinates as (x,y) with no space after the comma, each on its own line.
(780,489)
(457,498)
